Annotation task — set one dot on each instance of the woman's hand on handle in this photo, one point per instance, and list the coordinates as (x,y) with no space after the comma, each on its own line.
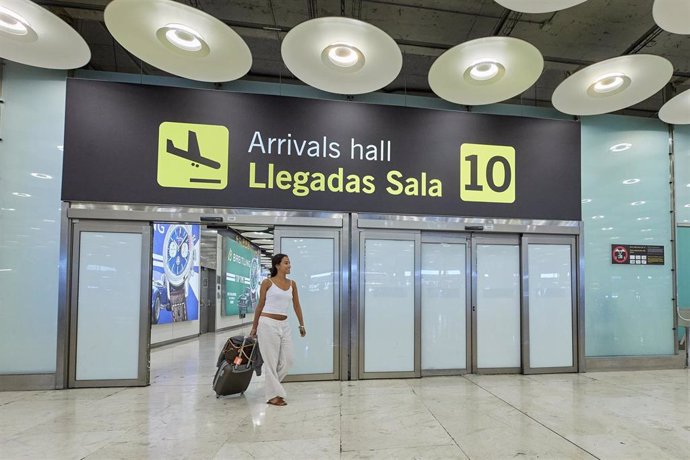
(302,331)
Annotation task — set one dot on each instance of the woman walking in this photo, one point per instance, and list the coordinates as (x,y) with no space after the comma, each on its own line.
(273,329)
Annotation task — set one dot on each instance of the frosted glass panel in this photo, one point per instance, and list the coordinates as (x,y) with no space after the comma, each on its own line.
(109,306)
(498,305)
(550,306)
(32,122)
(626,200)
(681,156)
(444,304)
(388,305)
(312,269)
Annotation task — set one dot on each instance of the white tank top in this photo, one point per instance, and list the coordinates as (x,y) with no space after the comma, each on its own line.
(277,300)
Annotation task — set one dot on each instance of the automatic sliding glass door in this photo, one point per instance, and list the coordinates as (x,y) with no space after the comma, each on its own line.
(446,304)
(315,258)
(389,305)
(549,305)
(109,308)
(496,304)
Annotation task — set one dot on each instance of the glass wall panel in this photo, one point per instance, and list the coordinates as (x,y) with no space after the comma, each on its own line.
(444,304)
(388,305)
(312,261)
(626,200)
(681,158)
(683,264)
(498,306)
(550,305)
(109,306)
(32,123)
(681,150)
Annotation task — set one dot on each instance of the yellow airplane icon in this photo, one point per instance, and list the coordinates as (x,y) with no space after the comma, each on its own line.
(193,155)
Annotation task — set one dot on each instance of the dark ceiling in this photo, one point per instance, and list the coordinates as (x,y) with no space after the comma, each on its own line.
(569,39)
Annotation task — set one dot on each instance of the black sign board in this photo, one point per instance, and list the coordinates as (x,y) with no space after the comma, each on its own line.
(127,143)
(635,254)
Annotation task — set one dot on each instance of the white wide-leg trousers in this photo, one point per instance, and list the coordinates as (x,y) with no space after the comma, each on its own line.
(275,343)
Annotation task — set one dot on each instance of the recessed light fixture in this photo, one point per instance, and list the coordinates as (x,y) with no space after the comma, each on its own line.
(485,70)
(677,110)
(612,85)
(586,200)
(598,217)
(21,194)
(13,23)
(538,6)
(643,218)
(606,229)
(687,206)
(608,85)
(41,176)
(182,38)
(631,181)
(179,39)
(32,35)
(7,209)
(646,230)
(623,146)
(341,55)
(637,203)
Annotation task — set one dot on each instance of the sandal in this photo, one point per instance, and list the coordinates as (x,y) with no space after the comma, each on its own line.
(277,401)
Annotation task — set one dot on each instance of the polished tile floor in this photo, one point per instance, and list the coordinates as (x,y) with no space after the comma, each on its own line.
(613,415)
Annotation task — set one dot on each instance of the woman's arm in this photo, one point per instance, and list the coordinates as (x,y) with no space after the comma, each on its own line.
(265,284)
(298,309)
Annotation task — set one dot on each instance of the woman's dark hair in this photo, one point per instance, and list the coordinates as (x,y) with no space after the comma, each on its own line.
(275,261)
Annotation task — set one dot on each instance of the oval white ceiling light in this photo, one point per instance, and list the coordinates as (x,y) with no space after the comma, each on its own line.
(677,110)
(32,35)
(341,55)
(178,39)
(622,147)
(486,70)
(672,15)
(538,6)
(256,235)
(612,85)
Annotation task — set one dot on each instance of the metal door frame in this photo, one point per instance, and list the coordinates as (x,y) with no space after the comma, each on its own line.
(401,235)
(454,238)
(503,239)
(336,235)
(555,240)
(144,229)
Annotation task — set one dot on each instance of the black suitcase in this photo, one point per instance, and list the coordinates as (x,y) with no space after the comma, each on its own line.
(235,366)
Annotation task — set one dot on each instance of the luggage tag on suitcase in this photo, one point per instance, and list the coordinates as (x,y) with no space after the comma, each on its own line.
(237,361)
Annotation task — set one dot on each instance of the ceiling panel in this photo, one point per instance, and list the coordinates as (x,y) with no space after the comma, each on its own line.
(570,39)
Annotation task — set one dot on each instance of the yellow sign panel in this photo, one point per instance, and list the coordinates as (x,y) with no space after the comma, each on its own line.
(487,173)
(193,156)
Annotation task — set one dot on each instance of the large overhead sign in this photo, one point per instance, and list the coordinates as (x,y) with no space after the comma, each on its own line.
(129,143)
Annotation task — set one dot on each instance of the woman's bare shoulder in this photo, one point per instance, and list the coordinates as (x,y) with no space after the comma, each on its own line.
(266,282)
